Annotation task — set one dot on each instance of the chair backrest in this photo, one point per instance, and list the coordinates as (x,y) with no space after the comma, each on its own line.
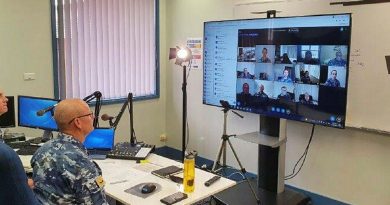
(302,97)
(13,180)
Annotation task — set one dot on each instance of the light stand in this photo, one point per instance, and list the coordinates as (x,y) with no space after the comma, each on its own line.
(222,149)
(184,122)
(182,55)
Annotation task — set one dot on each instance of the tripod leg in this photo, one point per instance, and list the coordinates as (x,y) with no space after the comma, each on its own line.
(218,158)
(243,171)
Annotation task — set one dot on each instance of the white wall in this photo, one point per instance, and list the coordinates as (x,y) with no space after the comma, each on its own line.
(349,165)
(25,46)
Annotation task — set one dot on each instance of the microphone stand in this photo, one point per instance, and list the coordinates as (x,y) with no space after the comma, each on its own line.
(223,147)
(225,138)
(129,103)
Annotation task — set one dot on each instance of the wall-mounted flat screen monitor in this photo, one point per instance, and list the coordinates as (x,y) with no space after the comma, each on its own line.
(35,112)
(8,119)
(293,67)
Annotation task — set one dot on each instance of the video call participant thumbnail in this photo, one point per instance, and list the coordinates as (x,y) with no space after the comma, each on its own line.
(246,74)
(244,97)
(286,76)
(308,59)
(338,60)
(260,98)
(333,81)
(285,95)
(264,57)
(306,99)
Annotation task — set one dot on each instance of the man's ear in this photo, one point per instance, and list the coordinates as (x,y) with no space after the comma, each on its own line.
(77,123)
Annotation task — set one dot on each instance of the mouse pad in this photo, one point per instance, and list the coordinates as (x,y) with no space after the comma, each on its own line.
(136,190)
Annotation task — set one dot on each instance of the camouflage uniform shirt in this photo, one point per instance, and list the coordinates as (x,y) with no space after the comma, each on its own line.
(63,173)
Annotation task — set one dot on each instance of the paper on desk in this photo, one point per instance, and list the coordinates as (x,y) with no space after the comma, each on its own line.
(128,175)
(25,160)
(146,167)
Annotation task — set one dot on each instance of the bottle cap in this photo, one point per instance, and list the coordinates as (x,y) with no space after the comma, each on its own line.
(191,155)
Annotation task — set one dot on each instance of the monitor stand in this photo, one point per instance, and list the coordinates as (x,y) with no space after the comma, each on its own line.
(271,157)
(47,135)
(271,140)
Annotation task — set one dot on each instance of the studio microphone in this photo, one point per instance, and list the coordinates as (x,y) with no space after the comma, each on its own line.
(106,117)
(45,110)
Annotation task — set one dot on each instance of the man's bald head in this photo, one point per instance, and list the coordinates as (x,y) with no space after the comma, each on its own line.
(67,110)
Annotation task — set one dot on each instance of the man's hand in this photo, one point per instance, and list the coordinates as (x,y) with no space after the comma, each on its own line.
(30,183)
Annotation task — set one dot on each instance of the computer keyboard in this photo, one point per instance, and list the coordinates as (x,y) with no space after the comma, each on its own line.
(27,150)
(125,150)
(37,140)
(18,145)
(24,148)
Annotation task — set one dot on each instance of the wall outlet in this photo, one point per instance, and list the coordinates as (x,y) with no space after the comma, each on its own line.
(29,76)
(163,138)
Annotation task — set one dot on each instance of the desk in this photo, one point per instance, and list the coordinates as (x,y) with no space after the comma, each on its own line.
(123,174)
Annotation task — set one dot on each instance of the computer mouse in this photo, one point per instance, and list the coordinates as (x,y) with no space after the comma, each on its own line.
(148,188)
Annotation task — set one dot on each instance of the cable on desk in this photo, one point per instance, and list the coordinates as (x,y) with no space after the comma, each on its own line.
(303,158)
(187,126)
(243,177)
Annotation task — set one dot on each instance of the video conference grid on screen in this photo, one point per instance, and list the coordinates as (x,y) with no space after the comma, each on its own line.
(292,72)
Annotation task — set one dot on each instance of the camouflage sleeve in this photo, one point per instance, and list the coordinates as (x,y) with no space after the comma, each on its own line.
(85,180)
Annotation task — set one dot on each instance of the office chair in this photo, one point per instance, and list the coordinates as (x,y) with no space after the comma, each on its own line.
(302,97)
(13,180)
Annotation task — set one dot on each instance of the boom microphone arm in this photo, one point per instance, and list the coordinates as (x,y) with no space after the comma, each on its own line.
(98,104)
(129,103)
(119,116)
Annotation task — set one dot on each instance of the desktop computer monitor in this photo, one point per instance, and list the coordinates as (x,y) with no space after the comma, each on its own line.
(8,119)
(36,112)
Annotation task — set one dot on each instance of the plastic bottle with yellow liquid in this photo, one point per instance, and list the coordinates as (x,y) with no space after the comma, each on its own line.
(189,173)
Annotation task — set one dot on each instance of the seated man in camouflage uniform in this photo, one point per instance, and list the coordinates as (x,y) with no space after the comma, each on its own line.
(62,171)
